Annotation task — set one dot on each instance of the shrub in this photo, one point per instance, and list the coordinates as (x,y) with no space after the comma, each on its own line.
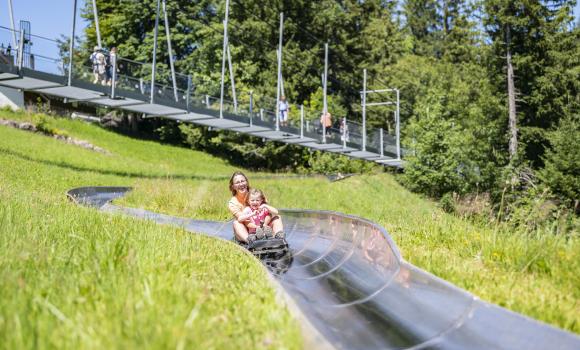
(562,162)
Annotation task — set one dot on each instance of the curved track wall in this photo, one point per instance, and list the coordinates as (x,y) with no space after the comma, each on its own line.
(349,280)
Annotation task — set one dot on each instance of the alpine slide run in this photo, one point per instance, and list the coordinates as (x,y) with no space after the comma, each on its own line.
(345,275)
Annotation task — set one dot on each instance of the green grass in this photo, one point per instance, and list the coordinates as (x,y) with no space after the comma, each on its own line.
(73,277)
(537,273)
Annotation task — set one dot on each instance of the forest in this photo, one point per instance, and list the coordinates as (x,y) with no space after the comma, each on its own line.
(490,103)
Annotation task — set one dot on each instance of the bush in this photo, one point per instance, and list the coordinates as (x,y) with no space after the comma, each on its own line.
(447,203)
(562,162)
(330,163)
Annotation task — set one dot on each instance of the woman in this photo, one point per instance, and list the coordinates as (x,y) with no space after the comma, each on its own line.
(240,188)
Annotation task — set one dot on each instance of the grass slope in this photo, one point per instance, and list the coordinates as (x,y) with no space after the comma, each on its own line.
(74,277)
(537,274)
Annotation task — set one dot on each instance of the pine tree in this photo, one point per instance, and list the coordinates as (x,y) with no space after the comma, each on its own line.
(562,170)
(527,36)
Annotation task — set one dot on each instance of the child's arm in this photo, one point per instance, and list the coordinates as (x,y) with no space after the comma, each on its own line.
(267,220)
(273,211)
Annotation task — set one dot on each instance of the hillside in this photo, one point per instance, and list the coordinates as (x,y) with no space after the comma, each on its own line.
(77,277)
(73,277)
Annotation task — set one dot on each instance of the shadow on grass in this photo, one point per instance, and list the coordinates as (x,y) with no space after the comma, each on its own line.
(128,174)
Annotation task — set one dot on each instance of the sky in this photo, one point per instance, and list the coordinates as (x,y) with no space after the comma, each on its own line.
(51,18)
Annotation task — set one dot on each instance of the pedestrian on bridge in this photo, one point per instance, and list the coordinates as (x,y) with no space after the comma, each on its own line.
(326,122)
(99,62)
(284,109)
(112,64)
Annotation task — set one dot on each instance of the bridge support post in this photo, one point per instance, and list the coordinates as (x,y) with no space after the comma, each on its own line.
(398,127)
(72,44)
(12,26)
(97,27)
(224,54)
(278,87)
(232,80)
(154,68)
(171,65)
(324,102)
(364,111)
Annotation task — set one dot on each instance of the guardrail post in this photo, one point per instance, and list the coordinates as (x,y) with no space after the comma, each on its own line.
(188,97)
(251,103)
(262,114)
(301,121)
(21,50)
(381,142)
(207,101)
(344,132)
(114,82)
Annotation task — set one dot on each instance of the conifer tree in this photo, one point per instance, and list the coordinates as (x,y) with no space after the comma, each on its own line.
(527,37)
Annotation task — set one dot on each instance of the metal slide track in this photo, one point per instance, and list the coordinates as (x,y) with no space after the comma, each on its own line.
(349,280)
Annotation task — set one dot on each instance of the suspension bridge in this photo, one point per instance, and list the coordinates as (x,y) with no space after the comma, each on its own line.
(34,63)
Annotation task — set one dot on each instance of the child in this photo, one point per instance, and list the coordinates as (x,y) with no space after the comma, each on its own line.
(257,216)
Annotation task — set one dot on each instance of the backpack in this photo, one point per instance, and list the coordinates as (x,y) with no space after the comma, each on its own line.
(93,58)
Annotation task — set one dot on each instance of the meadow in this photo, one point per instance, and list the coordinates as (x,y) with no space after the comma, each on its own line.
(76,277)
(73,277)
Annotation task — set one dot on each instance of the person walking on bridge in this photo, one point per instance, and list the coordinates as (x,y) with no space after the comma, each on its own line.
(284,109)
(326,122)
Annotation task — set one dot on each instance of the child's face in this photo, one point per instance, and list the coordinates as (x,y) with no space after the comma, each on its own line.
(255,201)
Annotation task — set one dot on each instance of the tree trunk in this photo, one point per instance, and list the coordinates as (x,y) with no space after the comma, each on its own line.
(513,129)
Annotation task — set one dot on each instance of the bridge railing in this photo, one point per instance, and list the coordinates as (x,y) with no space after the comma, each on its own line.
(40,53)
(8,52)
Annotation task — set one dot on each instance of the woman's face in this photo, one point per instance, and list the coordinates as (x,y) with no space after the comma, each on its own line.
(240,184)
